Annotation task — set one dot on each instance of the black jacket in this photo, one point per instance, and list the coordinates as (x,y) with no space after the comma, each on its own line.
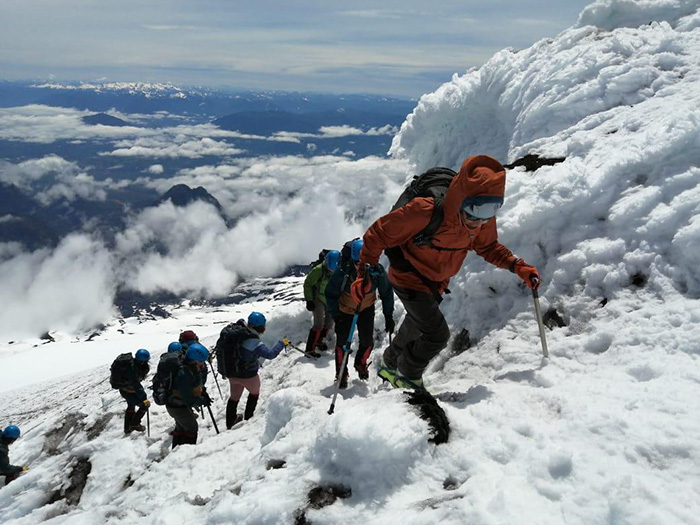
(5,467)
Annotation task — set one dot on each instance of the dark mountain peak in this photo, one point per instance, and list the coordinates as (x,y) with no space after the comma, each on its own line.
(15,202)
(105,120)
(182,195)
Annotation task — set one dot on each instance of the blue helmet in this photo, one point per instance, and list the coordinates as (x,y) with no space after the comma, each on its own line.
(332,259)
(11,432)
(143,355)
(355,249)
(256,319)
(197,352)
(175,346)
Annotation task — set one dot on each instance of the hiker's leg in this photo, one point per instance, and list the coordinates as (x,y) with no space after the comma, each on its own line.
(342,331)
(423,333)
(365,331)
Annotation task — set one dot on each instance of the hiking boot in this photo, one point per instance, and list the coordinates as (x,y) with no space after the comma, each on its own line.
(362,370)
(137,428)
(387,374)
(238,419)
(343,382)
(250,405)
(322,346)
(409,384)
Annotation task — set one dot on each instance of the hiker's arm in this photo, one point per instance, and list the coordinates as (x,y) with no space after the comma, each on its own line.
(311,280)
(5,467)
(135,384)
(395,228)
(386,293)
(487,246)
(262,350)
(140,392)
(185,385)
(333,293)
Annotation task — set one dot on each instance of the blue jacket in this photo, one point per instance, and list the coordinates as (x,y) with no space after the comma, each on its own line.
(134,375)
(186,388)
(5,467)
(251,350)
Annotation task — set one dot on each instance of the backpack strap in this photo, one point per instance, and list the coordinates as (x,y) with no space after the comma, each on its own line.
(398,260)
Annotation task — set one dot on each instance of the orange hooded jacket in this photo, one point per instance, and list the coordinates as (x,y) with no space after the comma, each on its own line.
(479,176)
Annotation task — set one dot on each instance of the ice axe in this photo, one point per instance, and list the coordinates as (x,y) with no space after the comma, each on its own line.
(216,380)
(346,352)
(305,353)
(211,414)
(538,314)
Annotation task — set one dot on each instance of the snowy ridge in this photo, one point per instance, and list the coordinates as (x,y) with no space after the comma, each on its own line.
(147,89)
(604,432)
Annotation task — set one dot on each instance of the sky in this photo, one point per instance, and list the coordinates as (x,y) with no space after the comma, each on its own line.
(604,431)
(401,48)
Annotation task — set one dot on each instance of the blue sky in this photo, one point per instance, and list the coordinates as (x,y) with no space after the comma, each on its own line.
(406,47)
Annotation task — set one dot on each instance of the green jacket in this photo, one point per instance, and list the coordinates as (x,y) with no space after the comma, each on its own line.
(5,467)
(315,283)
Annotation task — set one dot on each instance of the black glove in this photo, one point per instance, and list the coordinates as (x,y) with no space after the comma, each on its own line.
(206,398)
(389,325)
(310,306)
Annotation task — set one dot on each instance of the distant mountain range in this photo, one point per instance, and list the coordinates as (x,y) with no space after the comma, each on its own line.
(135,97)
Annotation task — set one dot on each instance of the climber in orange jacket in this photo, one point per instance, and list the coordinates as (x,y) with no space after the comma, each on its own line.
(423,271)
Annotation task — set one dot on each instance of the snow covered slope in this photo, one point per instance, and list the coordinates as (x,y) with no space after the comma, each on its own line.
(606,431)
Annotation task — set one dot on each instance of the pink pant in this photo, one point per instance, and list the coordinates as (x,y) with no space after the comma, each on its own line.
(237,384)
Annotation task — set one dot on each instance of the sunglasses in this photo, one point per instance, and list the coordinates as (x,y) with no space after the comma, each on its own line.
(481,212)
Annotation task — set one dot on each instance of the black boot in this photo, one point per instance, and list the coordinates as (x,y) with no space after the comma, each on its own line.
(177,438)
(322,340)
(339,355)
(231,408)
(136,421)
(128,418)
(312,341)
(361,364)
(250,406)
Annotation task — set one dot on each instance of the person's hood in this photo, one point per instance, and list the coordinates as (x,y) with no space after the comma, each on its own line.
(479,176)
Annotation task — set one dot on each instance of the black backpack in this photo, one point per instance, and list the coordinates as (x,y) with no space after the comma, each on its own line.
(228,349)
(433,183)
(118,372)
(346,261)
(321,258)
(168,366)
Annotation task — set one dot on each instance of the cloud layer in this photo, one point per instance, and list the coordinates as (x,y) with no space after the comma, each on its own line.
(285,210)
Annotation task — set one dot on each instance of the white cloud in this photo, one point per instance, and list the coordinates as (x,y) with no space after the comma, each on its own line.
(51,178)
(46,124)
(156,169)
(70,288)
(180,147)
(333,132)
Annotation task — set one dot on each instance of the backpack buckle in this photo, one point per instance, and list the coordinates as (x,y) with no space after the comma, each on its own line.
(421,240)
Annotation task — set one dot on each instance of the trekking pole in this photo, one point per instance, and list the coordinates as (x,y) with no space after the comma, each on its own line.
(212,419)
(300,350)
(346,353)
(148,423)
(216,380)
(540,323)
